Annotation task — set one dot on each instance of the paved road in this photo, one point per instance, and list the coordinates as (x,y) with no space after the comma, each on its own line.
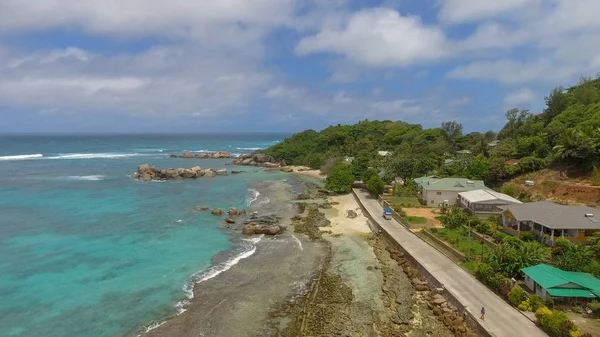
(500,320)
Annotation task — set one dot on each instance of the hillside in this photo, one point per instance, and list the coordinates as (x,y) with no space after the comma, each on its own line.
(563,186)
(565,134)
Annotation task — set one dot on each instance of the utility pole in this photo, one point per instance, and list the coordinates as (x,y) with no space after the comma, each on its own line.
(469,249)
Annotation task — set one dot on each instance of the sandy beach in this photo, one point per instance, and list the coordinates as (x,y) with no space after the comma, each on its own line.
(306,171)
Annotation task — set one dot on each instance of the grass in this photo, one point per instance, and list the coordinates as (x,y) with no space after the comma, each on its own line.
(458,239)
(405,202)
(415,219)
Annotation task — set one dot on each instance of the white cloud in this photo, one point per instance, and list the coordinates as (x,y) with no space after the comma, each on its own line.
(380,37)
(518,98)
(472,10)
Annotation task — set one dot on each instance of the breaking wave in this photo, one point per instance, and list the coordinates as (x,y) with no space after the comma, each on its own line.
(94,156)
(22,157)
(252,196)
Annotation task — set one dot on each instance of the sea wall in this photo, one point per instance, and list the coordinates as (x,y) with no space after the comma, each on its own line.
(395,214)
(469,318)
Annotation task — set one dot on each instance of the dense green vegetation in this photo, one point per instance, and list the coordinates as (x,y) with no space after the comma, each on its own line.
(340,178)
(566,132)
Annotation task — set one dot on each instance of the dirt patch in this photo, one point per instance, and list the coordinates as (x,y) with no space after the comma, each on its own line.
(586,325)
(428,213)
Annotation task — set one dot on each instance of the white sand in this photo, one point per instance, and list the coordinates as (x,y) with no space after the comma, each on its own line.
(340,224)
(308,172)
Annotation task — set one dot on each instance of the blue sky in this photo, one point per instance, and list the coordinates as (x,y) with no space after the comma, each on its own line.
(284,65)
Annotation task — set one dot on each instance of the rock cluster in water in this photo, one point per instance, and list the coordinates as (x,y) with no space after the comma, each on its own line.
(148,173)
(265,224)
(203,155)
(258,159)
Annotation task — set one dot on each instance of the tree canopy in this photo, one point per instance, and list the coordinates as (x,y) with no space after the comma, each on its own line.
(567,131)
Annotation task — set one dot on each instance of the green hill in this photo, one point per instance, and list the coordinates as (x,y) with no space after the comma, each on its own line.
(567,132)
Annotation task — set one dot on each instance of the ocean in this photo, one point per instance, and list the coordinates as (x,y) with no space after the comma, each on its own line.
(87,251)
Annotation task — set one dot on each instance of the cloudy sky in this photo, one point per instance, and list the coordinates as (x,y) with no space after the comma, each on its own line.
(284,65)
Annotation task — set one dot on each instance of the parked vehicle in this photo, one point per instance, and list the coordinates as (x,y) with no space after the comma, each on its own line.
(387,214)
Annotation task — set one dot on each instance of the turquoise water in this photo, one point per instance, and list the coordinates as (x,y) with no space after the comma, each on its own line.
(87,251)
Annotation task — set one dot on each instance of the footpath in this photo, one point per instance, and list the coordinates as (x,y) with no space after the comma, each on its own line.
(500,320)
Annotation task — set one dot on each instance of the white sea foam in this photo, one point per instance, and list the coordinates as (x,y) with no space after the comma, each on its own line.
(90,178)
(22,157)
(252,197)
(249,148)
(265,201)
(235,155)
(150,150)
(94,156)
(154,326)
(298,242)
(212,272)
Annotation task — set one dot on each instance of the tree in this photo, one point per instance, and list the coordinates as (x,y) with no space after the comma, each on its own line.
(375,185)
(359,166)
(570,256)
(340,178)
(595,244)
(452,130)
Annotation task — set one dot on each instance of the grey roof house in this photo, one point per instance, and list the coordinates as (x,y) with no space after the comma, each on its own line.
(548,221)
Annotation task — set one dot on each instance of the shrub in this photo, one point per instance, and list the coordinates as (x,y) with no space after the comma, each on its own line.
(595,179)
(577,309)
(516,296)
(550,302)
(484,273)
(510,190)
(528,236)
(542,312)
(340,178)
(535,302)
(375,185)
(594,307)
(556,323)
(525,306)
(329,165)
(499,237)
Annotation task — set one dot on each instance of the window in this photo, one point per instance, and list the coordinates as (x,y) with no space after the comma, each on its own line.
(439,193)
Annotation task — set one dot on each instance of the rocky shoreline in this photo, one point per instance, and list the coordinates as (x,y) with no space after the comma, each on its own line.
(258,159)
(148,173)
(203,155)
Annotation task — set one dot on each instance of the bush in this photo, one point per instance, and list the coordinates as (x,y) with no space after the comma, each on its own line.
(375,185)
(340,178)
(550,302)
(368,174)
(510,190)
(500,237)
(594,307)
(595,179)
(528,236)
(556,323)
(516,295)
(525,306)
(485,227)
(535,302)
(329,165)
(484,273)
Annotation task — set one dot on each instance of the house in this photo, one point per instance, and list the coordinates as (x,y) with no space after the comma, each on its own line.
(549,221)
(493,143)
(485,203)
(348,160)
(545,280)
(464,152)
(384,153)
(434,191)
(512,162)
(448,161)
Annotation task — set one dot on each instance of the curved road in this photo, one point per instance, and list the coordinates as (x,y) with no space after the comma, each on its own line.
(501,318)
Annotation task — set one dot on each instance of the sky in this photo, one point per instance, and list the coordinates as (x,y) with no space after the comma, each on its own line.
(284,65)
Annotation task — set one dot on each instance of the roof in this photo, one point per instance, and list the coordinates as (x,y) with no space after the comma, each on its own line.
(512,162)
(464,152)
(450,184)
(488,195)
(448,161)
(556,216)
(563,283)
(384,153)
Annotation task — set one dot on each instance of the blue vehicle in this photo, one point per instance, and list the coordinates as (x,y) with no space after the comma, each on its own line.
(387,214)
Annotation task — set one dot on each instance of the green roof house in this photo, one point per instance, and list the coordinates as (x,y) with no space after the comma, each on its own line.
(434,191)
(546,281)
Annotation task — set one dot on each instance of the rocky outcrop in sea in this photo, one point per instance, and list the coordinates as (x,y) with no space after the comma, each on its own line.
(148,173)
(203,155)
(258,159)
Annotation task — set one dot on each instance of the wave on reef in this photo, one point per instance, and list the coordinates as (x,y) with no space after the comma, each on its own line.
(249,148)
(252,196)
(22,157)
(94,156)
(84,178)
(188,288)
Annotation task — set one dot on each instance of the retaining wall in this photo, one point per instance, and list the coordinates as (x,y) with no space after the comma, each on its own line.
(469,318)
(385,204)
(449,248)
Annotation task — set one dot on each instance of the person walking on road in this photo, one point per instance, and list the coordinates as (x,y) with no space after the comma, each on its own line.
(482,313)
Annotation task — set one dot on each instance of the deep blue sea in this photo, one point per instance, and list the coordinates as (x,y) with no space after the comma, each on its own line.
(87,251)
